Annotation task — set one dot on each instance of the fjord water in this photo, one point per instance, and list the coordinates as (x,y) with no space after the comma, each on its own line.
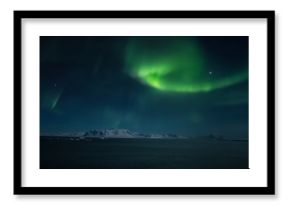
(143,154)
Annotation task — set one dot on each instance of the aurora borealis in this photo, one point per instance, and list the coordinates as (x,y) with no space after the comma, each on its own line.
(186,85)
(178,65)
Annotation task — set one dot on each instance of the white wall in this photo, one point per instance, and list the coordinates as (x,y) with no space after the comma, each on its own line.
(283,99)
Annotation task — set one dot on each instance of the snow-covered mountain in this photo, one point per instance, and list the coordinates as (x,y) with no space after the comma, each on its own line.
(113,133)
(124,133)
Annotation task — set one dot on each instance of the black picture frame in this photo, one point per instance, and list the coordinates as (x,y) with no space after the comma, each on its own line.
(269,189)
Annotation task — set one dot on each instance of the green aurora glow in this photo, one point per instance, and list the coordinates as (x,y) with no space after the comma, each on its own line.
(55,100)
(176,65)
(51,98)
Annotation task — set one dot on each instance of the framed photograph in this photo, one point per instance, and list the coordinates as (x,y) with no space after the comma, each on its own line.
(144,102)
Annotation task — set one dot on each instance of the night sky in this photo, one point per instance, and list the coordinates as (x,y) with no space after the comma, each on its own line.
(191,86)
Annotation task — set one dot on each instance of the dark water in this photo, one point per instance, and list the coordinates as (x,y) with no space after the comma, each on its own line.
(143,154)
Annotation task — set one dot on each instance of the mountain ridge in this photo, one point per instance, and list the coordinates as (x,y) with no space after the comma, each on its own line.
(113,133)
